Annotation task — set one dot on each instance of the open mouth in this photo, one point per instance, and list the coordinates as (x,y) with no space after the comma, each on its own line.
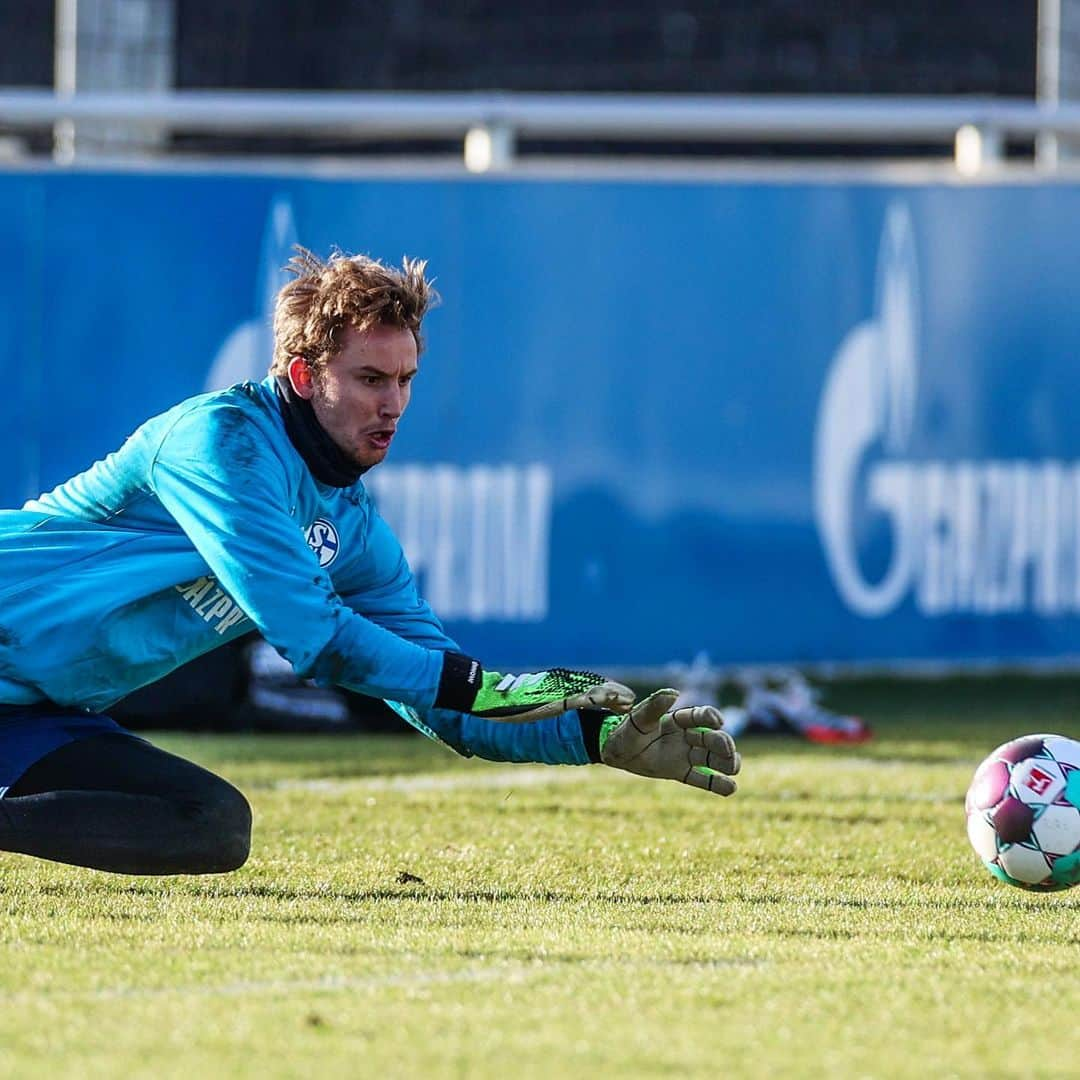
(380,439)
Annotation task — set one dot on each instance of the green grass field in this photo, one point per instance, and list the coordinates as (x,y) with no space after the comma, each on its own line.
(408,913)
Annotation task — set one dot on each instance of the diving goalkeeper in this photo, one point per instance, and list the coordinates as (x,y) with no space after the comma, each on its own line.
(245,509)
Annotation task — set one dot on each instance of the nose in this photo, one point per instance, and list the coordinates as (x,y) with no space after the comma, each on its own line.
(392,404)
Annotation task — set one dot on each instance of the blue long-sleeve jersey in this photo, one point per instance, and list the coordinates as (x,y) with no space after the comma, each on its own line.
(205,524)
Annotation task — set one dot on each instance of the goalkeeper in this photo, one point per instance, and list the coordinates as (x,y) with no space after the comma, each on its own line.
(245,510)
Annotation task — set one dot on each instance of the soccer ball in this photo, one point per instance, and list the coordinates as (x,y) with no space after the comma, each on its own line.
(1023,812)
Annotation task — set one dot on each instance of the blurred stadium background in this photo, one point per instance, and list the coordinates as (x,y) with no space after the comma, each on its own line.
(759,335)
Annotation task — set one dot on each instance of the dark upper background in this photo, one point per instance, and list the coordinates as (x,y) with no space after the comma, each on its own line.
(772,46)
(982,47)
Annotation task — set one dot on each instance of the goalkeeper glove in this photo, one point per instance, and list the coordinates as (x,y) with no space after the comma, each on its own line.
(687,745)
(466,687)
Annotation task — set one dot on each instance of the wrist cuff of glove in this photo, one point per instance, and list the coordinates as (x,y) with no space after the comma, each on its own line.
(459,683)
(591,722)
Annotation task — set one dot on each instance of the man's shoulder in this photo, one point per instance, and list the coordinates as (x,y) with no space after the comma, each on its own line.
(253,398)
(241,406)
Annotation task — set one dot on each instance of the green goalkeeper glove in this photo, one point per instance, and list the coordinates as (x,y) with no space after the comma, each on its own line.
(466,687)
(536,695)
(687,745)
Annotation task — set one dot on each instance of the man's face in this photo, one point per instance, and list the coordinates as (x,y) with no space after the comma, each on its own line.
(361,393)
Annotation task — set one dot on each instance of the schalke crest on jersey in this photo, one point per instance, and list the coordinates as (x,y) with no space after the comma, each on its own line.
(323,539)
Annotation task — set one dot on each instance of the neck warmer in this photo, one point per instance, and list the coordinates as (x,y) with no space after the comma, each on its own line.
(329,464)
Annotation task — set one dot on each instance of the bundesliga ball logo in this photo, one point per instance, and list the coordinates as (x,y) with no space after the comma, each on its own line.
(1023,812)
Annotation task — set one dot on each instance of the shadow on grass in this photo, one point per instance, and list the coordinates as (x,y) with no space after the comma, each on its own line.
(419,893)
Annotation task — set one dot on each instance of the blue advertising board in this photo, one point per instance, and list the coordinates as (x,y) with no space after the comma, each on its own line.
(820,420)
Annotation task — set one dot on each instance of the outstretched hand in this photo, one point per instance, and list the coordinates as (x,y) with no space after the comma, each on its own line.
(687,745)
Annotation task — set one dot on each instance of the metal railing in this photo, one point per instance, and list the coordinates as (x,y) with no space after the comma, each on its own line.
(491,124)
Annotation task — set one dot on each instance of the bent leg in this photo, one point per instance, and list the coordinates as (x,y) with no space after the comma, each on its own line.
(114,802)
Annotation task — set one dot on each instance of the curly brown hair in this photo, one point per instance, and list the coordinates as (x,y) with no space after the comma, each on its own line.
(344,290)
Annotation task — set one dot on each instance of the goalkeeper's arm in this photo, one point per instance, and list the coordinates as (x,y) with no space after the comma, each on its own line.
(653,739)
(532,717)
(553,732)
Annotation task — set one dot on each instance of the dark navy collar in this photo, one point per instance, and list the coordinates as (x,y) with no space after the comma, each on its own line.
(329,464)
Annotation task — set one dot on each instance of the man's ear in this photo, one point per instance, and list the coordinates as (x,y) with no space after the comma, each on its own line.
(300,375)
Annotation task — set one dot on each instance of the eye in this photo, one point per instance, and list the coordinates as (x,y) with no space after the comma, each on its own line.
(370,380)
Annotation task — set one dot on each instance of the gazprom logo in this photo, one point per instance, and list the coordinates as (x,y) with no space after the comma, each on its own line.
(477,537)
(964,536)
(868,402)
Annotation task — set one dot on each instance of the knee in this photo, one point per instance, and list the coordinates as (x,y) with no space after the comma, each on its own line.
(232,812)
(224,828)
(235,816)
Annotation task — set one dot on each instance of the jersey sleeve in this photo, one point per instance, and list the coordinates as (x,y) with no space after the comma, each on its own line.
(382,588)
(221,480)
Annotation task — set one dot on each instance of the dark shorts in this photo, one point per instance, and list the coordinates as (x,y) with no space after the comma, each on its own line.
(28,733)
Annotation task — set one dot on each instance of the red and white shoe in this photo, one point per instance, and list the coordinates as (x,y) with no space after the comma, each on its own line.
(822,726)
(793,707)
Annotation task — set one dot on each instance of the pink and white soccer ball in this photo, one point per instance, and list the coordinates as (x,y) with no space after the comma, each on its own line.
(1023,812)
